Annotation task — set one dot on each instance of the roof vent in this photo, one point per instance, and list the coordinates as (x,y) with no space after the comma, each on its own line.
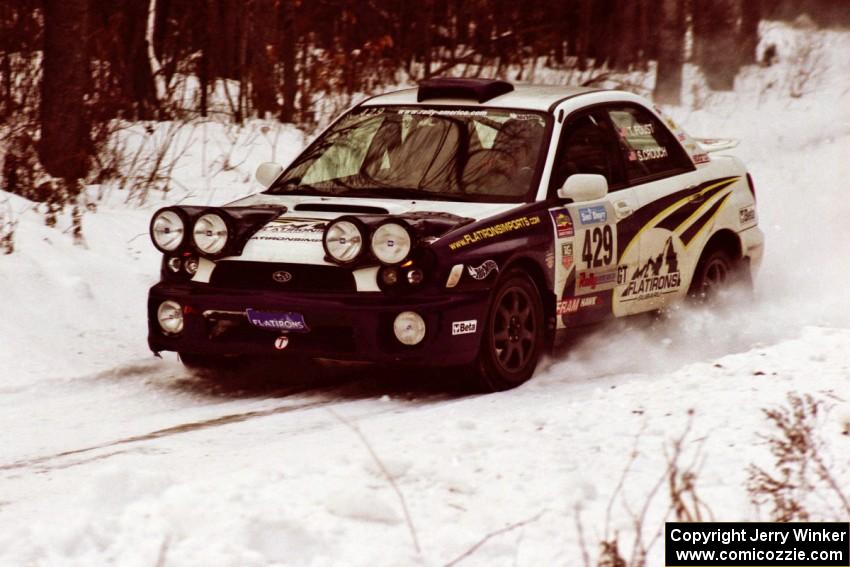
(481,90)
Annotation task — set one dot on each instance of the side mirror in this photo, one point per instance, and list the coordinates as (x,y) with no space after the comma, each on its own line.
(267,172)
(581,187)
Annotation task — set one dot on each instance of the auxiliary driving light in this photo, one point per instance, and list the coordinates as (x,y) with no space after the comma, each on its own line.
(170,317)
(343,241)
(391,243)
(210,233)
(409,328)
(167,230)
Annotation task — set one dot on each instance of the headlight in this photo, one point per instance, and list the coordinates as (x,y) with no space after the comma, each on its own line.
(391,243)
(170,317)
(210,233)
(343,241)
(409,328)
(167,230)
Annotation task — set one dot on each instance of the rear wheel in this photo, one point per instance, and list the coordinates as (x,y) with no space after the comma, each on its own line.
(513,334)
(716,271)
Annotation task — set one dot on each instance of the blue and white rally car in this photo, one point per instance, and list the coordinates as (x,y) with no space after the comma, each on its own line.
(464,223)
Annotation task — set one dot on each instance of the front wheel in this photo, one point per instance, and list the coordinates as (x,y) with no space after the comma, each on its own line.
(513,334)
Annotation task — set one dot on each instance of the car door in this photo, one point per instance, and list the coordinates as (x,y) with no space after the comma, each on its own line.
(666,184)
(586,241)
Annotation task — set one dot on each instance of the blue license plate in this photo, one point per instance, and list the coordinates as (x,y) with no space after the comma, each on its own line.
(278,321)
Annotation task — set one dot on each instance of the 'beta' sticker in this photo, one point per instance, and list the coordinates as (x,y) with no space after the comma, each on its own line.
(464,327)
(281,342)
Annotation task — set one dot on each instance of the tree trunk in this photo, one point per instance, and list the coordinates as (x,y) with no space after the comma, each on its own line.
(719,53)
(625,37)
(752,13)
(286,14)
(585,17)
(671,35)
(65,144)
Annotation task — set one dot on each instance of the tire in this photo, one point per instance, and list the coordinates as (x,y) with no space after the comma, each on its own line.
(513,336)
(716,272)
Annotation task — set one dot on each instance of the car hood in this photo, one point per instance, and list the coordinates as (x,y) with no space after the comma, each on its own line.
(296,235)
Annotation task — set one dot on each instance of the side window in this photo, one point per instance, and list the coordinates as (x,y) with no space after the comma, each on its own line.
(588,145)
(648,147)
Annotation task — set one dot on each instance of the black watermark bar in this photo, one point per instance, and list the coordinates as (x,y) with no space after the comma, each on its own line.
(757,544)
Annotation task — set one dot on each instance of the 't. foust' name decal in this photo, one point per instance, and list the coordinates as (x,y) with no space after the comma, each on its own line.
(494,231)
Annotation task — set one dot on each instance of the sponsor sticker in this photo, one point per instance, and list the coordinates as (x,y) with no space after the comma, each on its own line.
(464,327)
(593,215)
(286,321)
(482,271)
(281,342)
(595,281)
(657,276)
(563,223)
(573,304)
(486,233)
(292,229)
(747,215)
(567,255)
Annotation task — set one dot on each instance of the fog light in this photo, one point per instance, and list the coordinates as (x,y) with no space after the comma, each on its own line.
(409,328)
(174,264)
(170,317)
(415,276)
(191,265)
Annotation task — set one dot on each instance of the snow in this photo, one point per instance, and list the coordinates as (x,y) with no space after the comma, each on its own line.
(110,456)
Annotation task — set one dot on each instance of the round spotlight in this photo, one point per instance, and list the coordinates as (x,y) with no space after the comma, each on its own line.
(409,328)
(210,233)
(191,265)
(391,243)
(174,264)
(343,241)
(167,230)
(170,317)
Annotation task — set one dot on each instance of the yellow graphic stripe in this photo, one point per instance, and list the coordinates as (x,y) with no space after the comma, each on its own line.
(710,221)
(663,214)
(697,213)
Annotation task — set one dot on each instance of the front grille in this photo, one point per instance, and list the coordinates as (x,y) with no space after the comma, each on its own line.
(302,277)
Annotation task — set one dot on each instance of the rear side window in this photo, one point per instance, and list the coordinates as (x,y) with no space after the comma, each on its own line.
(649,149)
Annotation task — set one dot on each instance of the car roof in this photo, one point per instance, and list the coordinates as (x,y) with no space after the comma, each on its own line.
(529,97)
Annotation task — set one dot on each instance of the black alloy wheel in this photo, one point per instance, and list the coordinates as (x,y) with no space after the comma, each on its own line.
(513,334)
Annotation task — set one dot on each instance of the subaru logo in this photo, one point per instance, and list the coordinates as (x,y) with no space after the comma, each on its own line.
(281,276)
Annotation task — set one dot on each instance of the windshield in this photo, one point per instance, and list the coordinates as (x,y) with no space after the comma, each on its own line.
(422,153)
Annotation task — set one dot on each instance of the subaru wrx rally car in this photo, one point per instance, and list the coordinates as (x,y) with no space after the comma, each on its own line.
(464,223)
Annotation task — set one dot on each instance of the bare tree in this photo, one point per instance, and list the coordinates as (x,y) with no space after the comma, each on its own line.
(668,78)
(65,146)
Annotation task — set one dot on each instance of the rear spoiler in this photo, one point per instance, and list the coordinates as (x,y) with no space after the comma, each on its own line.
(717,144)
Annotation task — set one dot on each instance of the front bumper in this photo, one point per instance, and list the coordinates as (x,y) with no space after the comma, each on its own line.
(343,326)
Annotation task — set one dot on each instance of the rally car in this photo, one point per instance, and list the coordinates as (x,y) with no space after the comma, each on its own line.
(465,223)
